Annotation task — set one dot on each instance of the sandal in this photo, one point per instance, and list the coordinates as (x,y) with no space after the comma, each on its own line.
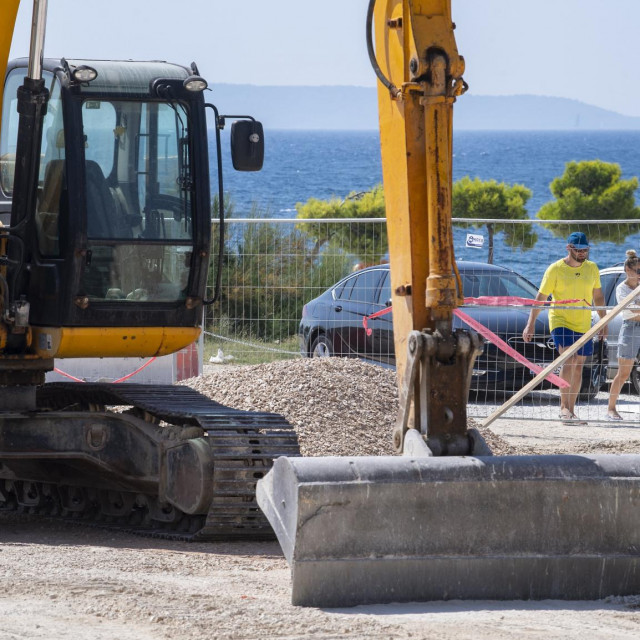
(571,418)
(565,417)
(614,416)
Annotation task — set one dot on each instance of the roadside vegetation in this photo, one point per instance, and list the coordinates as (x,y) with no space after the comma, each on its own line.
(366,242)
(493,200)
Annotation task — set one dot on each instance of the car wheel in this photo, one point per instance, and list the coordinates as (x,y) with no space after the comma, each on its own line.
(635,377)
(321,348)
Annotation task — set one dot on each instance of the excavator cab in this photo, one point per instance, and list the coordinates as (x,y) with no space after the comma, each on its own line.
(110,228)
(119,234)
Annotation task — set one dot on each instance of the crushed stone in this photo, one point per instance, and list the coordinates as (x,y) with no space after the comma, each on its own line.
(338,406)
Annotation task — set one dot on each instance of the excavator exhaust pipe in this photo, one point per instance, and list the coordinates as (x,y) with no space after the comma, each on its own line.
(392,529)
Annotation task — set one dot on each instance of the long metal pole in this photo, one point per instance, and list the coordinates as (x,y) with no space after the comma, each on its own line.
(38,30)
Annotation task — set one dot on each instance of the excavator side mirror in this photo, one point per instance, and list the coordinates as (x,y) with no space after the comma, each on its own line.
(247,145)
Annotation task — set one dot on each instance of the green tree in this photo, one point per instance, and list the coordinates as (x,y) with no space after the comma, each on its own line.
(367,242)
(593,190)
(489,199)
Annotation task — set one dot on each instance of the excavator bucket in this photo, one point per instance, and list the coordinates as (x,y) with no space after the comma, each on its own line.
(393,529)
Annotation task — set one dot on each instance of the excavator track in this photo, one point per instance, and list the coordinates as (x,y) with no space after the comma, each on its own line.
(243,445)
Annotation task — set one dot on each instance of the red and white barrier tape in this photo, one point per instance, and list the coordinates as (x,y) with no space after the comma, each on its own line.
(129,375)
(510,351)
(489,335)
(512,301)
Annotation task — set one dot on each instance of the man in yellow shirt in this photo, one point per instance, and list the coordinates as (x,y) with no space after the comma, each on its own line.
(572,278)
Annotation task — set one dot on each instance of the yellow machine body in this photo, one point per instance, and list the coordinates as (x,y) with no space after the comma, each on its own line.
(110,342)
(106,254)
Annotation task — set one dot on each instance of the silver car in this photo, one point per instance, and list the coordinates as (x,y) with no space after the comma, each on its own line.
(610,278)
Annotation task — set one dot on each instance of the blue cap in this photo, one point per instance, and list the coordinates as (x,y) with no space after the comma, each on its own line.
(578,240)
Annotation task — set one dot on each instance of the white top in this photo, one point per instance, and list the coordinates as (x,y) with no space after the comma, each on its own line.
(622,291)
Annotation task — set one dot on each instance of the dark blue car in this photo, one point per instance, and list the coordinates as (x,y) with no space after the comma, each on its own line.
(332,325)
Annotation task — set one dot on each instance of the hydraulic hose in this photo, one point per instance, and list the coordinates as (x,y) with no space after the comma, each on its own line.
(372,54)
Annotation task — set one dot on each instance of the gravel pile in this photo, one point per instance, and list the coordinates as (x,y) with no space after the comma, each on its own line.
(338,406)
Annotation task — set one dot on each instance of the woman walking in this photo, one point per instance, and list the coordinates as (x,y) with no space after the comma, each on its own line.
(629,338)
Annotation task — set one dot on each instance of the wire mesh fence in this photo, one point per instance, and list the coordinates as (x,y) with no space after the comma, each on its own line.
(302,288)
(272,267)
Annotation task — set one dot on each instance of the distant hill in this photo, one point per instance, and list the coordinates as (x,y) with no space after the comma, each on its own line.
(355,108)
(536,112)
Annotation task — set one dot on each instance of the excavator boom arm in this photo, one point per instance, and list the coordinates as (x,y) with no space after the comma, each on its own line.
(420,72)
(447,519)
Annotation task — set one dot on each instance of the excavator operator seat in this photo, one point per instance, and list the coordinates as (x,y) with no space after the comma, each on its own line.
(101,207)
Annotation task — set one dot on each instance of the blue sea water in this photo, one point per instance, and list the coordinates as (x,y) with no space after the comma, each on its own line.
(322,164)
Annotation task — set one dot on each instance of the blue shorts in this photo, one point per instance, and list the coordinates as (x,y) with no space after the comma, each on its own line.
(629,340)
(563,337)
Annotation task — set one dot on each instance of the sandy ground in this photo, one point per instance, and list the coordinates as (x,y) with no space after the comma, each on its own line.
(61,581)
(66,581)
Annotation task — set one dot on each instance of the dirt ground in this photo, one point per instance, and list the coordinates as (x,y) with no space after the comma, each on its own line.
(68,582)
(62,581)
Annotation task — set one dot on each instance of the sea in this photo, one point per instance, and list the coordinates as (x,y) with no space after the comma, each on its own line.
(300,165)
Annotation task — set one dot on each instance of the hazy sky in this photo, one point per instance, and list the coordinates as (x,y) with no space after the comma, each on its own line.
(583,49)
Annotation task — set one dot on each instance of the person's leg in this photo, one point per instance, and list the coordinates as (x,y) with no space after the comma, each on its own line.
(628,345)
(624,371)
(571,372)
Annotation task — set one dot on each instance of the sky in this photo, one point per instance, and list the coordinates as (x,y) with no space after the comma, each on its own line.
(582,49)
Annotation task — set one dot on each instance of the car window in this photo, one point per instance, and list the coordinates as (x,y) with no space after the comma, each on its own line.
(609,283)
(476,285)
(482,284)
(343,290)
(496,284)
(514,285)
(385,290)
(365,288)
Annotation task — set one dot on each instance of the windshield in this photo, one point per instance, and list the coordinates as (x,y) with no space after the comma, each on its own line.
(496,283)
(9,136)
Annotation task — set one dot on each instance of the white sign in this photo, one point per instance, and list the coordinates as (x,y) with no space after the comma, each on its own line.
(475,241)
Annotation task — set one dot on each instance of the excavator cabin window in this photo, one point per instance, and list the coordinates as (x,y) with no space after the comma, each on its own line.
(138,200)
(51,200)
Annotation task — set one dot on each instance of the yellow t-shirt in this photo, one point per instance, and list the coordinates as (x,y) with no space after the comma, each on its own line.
(563,282)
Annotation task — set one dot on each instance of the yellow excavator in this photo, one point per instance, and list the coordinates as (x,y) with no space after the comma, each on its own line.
(105,252)
(446,519)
